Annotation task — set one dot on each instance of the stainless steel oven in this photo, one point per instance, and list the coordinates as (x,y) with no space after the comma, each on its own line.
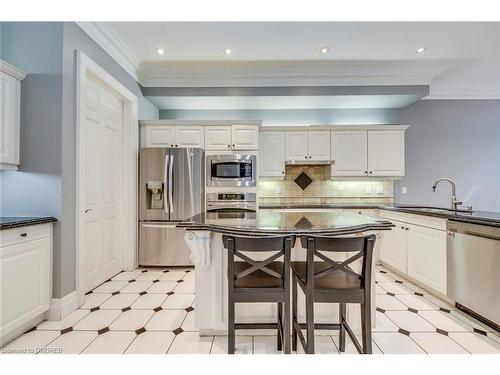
(231,206)
(231,170)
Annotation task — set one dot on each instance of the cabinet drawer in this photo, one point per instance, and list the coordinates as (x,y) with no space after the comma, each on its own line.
(422,220)
(19,235)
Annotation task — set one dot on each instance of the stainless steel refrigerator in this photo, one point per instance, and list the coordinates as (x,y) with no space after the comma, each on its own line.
(171,190)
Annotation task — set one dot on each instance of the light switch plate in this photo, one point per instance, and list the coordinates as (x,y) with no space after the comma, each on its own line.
(279,190)
(368,190)
(404,190)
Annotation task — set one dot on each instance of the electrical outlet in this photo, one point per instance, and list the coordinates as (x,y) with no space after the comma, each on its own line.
(404,190)
(279,190)
(368,190)
(380,190)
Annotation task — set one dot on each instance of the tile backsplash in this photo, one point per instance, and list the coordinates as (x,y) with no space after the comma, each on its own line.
(323,190)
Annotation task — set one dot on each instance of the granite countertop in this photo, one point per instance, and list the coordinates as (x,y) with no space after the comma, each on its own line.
(474,217)
(265,223)
(7,222)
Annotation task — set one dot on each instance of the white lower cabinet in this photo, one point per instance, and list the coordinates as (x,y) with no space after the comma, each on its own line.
(393,249)
(26,277)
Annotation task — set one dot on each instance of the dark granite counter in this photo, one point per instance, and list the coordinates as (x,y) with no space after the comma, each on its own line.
(266,223)
(474,217)
(7,222)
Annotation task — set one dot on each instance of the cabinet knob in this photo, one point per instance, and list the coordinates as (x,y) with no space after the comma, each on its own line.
(233,145)
(366,172)
(407,228)
(171,145)
(176,146)
(305,156)
(282,172)
(23,234)
(371,172)
(228,145)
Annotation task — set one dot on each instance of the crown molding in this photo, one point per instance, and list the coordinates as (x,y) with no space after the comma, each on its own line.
(111,43)
(12,70)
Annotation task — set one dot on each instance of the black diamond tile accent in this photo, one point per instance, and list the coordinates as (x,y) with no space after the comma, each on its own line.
(412,310)
(115,293)
(140,330)
(376,282)
(303,223)
(94,309)
(156,281)
(419,294)
(144,271)
(303,180)
(88,293)
(180,281)
(126,309)
(391,294)
(480,332)
(189,309)
(166,271)
(188,271)
(178,331)
(441,331)
(143,293)
(131,281)
(398,281)
(444,310)
(404,332)
(103,330)
(156,309)
(170,293)
(382,271)
(66,330)
(108,280)
(380,310)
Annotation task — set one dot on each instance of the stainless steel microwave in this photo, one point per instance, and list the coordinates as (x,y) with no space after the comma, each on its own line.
(231,170)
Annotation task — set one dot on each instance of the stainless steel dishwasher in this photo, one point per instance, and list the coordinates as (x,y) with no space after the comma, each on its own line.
(473,268)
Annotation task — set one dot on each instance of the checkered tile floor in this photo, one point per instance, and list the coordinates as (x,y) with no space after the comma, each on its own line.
(152,310)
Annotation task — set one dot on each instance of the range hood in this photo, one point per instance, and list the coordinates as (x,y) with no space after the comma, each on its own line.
(308,162)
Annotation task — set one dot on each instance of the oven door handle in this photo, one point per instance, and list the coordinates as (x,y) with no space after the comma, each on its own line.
(247,205)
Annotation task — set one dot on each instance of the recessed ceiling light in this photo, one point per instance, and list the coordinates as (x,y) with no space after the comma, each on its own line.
(160,51)
(324,50)
(421,49)
(228,51)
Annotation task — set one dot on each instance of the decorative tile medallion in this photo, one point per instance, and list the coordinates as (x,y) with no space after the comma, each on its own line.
(303,180)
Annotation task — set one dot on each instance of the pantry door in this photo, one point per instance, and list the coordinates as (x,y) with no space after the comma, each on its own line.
(103,184)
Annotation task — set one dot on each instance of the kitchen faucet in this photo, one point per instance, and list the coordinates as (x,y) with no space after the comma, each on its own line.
(454,201)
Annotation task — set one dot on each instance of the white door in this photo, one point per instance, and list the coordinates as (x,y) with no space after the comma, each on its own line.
(386,153)
(349,153)
(217,137)
(426,253)
(189,136)
(160,136)
(103,155)
(319,145)
(10,92)
(272,154)
(393,247)
(245,137)
(296,145)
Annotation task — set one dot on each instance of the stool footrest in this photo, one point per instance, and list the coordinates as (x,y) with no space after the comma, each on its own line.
(256,325)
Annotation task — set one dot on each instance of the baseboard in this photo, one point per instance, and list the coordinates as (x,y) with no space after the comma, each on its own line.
(60,308)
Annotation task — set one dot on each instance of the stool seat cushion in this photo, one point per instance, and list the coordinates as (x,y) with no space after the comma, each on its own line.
(258,279)
(336,280)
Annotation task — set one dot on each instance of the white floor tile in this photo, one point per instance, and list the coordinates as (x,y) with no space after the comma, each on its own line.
(494,336)
(445,321)
(110,286)
(416,302)
(243,345)
(396,343)
(166,320)
(137,287)
(395,288)
(131,320)
(178,301)
(191,343)
(349,346)
(189,276)
(265,345)
(149,301)
(149,276)
(188,324)
(110,343)
(384,324)
(95,299)
(476,343)
(471,321)
(439,302)
(173,276)
(151,343)
(185,287)
(97,320)
(435,343)
(410,321)
(31,342)
(383,278)
(322,345)
(415,288)
(69,321)
(127,275)
(379,289)
(162,287)
(119,301)
(73,342)
(387,302)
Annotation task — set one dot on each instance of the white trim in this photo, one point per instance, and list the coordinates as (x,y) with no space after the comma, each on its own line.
(12,70)
(110,42)
(60,308)
(86,66)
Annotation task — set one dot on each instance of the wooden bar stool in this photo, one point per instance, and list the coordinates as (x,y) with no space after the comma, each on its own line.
(334,282)
(250,280)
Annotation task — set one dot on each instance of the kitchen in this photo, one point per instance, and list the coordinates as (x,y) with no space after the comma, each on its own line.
(127,231)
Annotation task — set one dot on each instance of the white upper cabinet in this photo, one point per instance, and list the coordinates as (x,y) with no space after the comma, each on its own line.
(296,145)
(159,136)
(10,112)
(245,137)
(272,154)
(319,145)
(349,153)
(189,136)
(218,137)
(386,153)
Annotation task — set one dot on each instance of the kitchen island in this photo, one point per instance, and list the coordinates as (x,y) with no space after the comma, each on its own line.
(204,238)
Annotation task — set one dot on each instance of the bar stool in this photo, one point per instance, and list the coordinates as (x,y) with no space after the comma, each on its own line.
(250,280)
(333,282)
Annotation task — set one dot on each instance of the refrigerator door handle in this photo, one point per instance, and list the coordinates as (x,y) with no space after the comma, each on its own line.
(170,184)
(165,183)
(164,226)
